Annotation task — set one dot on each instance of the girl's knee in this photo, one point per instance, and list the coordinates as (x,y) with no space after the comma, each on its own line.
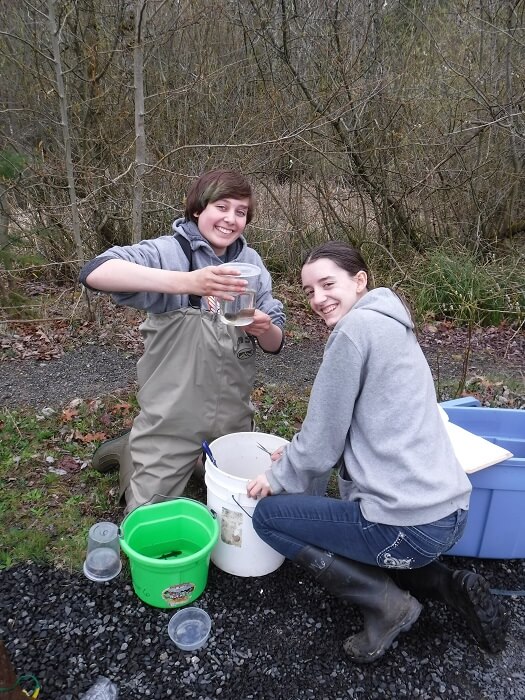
(259,517)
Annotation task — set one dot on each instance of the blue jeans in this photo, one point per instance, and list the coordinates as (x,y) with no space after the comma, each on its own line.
(289,523)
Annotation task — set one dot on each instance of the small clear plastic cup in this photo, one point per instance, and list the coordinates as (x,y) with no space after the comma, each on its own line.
(102,564)
(189,628)
(103,552)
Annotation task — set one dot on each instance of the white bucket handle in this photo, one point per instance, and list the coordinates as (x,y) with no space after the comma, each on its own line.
(237,502)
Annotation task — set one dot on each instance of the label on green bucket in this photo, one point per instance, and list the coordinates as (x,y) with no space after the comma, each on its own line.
(178,594)
(231,527)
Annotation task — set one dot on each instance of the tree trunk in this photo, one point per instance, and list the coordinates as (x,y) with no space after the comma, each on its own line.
(4,219)
(55,42)
(140,136)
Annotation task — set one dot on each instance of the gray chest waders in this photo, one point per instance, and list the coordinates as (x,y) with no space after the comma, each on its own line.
(195,379)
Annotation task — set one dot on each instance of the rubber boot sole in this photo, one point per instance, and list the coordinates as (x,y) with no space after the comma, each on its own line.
(352,644)
(106,458)
(481,610)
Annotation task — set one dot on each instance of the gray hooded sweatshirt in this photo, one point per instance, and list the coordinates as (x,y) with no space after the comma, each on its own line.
(373,404)
(165,253)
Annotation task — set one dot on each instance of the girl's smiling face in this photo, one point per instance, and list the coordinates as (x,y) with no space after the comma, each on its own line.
(332,291)
(222,222)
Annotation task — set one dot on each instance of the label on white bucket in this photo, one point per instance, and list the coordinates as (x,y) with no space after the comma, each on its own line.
(178,594)
(231,527)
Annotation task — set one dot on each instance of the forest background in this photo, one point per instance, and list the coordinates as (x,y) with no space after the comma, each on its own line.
(397,125)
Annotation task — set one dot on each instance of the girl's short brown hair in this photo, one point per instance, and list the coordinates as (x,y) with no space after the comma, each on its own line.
(214,185)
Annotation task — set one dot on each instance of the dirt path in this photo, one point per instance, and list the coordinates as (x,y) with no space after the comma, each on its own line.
(89,370)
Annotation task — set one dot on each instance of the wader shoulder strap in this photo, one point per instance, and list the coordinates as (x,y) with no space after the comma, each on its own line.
(184,243)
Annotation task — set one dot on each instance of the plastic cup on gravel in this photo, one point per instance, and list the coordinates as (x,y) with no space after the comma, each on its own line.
(102,561)
(189,628)
(240,310)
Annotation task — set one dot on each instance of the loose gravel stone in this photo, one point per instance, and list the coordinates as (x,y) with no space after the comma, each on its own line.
(278,636)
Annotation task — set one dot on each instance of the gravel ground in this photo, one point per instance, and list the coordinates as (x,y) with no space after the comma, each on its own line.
(277,636)
(92,371)
(96,370)
(84,373)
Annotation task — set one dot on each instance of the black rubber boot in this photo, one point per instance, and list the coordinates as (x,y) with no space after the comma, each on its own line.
(464,591)
(387,610)
(107,457)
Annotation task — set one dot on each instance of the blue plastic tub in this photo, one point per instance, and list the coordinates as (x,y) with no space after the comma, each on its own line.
(496,522)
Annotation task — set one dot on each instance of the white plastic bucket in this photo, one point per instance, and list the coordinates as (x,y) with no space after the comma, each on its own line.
(239,549)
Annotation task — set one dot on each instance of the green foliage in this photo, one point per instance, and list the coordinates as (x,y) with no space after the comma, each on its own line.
(443,284)
(457,286)
(279,410)
(28,263)
(11,164)
(17,305)
(13,299)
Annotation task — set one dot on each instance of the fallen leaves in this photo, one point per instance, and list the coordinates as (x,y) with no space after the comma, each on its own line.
(68,414)
(31,342)
(89,437)
(69,464)
(50,338)
(123,407)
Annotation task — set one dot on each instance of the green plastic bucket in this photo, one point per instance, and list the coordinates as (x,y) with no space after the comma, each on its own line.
(169,546)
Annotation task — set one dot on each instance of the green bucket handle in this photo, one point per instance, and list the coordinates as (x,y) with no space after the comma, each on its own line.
(161,495)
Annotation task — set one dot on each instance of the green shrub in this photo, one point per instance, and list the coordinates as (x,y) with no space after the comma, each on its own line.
(459,287)
(11,164)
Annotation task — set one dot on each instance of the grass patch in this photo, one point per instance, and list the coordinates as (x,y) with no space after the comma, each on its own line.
(51,496)
(280,410)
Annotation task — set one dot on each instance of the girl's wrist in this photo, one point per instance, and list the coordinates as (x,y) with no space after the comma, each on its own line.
(180,283)
(271,340)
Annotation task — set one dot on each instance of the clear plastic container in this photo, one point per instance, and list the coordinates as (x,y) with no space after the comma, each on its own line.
(102,564)
(103,552)
(189,628)
(240,310)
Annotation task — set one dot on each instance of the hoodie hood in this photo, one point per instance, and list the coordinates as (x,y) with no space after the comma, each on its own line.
(386,302)
(197,240)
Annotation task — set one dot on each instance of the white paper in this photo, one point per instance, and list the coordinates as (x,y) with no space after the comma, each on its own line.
(473,452)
